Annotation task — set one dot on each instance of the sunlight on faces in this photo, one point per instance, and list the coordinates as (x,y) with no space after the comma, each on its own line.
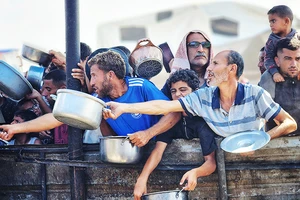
(193,52)
(180,89)
(277,24)
(289,62)
(99,81)
(218,70)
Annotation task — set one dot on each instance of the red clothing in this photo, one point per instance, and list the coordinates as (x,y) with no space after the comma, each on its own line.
(61,134)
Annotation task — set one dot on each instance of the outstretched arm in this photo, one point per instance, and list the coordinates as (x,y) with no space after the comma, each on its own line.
(152,162)
(156,107)
(42,123)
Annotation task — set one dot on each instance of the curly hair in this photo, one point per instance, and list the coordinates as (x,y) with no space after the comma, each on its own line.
(186,75)
(109,60)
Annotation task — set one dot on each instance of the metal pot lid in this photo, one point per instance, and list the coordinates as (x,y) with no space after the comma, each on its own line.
(245,141)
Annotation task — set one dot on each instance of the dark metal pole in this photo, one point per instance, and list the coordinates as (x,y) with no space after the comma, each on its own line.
(220,157)
(77,181)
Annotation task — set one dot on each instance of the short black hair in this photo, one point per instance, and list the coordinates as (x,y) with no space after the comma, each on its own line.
(26,115)
(236,58)
(85,50)
(186,75)
(288,43)
(282,11)
(58,77)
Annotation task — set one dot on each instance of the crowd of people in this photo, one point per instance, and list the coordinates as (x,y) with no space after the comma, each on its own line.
(203,97)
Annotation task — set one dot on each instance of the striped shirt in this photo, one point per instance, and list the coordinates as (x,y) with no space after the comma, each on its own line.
(252,104)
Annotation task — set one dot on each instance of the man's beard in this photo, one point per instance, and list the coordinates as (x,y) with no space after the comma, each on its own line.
(106,88)
(200,70)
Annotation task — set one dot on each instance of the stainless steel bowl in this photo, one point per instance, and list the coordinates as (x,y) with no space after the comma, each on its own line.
(35,76)
(245,141)
(13,83)
(78,109)
(36,55)
(119,149)
(167,195)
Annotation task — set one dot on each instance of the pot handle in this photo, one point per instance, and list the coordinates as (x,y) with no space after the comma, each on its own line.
(139,44)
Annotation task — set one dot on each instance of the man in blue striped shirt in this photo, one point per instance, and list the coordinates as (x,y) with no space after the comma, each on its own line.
(227,106)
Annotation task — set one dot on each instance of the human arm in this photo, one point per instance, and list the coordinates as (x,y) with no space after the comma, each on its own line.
(58,59)
(37,95)
(285,125)
(141,138)
(270,53)
(207,168)
(80,74)
(151,163)
(44,122)
(155,107)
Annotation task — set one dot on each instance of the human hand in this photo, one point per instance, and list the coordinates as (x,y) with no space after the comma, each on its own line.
(45,135)
(140,188)
(114,111)
(140,138)
(191,178)
(79,73)
(7,132)
(58,59)
(277,77)
(34,95)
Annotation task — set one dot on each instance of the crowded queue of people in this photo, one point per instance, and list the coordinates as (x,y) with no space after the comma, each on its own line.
(202,95)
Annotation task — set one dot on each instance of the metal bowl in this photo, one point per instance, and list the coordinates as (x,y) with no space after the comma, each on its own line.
(78,109)
(35,76)
(245,141)
(119,149)
(13,83)
(166,195)
(36,55)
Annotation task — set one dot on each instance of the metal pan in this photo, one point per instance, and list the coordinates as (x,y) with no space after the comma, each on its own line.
(36,55)
(167,55)
(35,76)
(167,195)
(245,141)
(13,83)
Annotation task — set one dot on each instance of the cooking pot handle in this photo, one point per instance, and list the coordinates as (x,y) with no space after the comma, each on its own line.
(139,45)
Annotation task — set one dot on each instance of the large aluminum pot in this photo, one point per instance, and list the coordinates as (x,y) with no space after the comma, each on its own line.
(35,76)
(13,83)
(167,195)
(78,109)
(36,55)
(146,59)
(119,149)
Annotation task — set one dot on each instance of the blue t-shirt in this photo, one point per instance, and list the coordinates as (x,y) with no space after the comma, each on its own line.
(139,90)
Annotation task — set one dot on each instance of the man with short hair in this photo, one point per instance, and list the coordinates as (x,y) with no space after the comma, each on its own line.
(286,93)
(227,106)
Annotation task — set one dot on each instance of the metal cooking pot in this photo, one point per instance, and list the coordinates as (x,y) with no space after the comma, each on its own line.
(119,149)
(36,55)
(13,83)
(78,109)
(35,76)
(167,195)
(146,59)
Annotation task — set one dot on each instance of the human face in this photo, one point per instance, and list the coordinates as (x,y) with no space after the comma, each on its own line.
(289,62)
(180,89)
(49,88)
(17,120)
(33,106)
(278,25)
(198,56)
(218,70)
(100,81)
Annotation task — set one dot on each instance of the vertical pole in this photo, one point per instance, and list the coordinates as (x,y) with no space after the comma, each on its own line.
(221,171)
(43,178)
(77,181)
